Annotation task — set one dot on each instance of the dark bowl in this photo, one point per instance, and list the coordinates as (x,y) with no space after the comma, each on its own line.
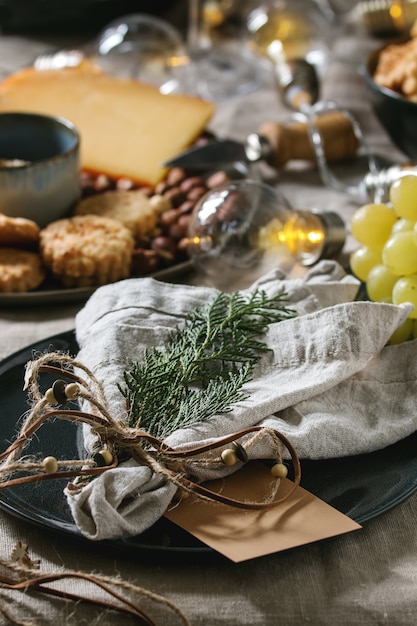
(397,114)
(39,166)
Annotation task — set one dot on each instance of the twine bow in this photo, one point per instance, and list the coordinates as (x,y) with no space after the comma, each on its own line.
(116,440)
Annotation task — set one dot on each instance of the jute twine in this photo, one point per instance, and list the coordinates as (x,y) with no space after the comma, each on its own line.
(119,439)
(119,596)
(115,436)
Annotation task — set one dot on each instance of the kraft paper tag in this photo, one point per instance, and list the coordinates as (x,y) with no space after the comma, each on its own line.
(243,534)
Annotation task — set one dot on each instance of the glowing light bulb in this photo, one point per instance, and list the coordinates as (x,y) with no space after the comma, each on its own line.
(243,229)
(284,29)
(383,17)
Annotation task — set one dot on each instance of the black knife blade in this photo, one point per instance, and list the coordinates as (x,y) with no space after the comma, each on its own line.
(276,144)
(221,152)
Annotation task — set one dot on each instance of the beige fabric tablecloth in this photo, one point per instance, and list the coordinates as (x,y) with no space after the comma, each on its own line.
(366,578)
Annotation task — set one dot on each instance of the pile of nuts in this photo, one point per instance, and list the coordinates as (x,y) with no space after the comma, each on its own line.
(168,244)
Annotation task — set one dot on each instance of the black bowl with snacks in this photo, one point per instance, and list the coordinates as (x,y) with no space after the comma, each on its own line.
(394,109)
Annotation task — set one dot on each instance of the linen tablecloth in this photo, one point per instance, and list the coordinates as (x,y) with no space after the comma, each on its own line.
(366,578)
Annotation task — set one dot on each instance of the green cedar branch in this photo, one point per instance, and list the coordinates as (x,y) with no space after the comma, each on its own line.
(205,363)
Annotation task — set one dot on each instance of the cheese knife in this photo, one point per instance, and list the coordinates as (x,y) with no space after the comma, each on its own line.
(275,144)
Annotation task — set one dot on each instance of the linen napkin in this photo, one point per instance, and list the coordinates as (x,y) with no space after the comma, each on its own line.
(329,382)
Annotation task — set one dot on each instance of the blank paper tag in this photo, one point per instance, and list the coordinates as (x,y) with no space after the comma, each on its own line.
(243,534)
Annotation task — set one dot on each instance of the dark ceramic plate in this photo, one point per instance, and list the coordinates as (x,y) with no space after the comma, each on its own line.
(51,293)
(361,487)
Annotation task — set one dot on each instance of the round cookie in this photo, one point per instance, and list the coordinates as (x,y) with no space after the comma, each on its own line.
(132,208)
(87,250)
(18,232)
(20,270)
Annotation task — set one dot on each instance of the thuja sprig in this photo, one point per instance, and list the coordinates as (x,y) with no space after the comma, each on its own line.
(205,363)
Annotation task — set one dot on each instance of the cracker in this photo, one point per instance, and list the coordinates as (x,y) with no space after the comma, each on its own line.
(132,208)
(20,270)
(18,232)
(87,250)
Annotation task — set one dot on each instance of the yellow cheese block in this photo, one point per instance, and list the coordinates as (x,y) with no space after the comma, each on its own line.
(128,129)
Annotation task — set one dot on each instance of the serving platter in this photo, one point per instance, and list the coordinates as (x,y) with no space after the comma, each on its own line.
(362,487)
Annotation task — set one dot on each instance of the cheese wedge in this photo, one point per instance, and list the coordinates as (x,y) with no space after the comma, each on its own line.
(128,129)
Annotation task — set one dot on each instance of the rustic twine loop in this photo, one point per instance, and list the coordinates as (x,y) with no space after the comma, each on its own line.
(23,575)
(118,439)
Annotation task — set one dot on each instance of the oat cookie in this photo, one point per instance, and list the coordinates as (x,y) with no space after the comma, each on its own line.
(20,270)
(87,250)
(132,208)
(18,231)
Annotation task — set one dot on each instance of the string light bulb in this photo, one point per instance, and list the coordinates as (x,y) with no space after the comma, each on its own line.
(382,17)
(243,229)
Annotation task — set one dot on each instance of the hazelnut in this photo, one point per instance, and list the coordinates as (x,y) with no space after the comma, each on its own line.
(196,193)
(175,176)
(217,179)
(190,183)
(169,217)
(144,262)
(175,196)
(125,184)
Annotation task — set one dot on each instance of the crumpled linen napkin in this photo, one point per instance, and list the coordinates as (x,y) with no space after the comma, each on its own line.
(329,382)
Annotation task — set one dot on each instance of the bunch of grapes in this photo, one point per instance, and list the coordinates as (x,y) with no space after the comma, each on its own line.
(387,257)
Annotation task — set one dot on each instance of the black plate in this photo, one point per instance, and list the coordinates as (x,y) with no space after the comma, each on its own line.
(52,293)
(361,487)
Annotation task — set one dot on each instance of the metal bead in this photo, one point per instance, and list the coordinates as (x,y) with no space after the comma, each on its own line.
(229,457)
(279,470)
(50,465)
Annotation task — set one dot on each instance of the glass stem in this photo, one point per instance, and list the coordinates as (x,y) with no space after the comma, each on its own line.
(193,32)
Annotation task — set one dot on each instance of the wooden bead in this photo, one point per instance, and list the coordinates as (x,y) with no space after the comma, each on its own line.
(107,456)
(180,495)
(50,465)
(240,451)
(229,457)
(59,391)
(72,391)
(103,457)
(50,397)
(279,470)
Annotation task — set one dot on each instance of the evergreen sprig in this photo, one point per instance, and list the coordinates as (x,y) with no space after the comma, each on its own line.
(205,363)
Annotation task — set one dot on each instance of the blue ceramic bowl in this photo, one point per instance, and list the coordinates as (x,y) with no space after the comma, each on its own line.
(397,114)
(39,166)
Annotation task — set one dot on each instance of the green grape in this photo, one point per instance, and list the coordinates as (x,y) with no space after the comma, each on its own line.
(405,290)
(403,196)
(371,224)
(402,225)
(403,333)
(380,283)
(400,253)
(363,260)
